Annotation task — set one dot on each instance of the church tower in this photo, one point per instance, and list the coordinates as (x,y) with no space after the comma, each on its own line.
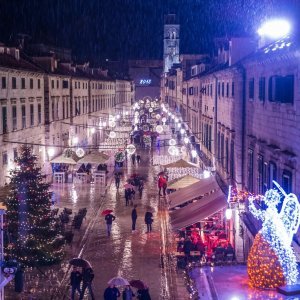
(171,42)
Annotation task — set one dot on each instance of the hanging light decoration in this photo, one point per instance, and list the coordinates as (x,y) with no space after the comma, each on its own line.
(112,124)
(150,109)
(158,116)
(173,150)
(93,130)
(131,149)
(182,131)
(112,135)
(179,125)
(159,129)
(186,140)
(164,119)
(172,142)
(80,152)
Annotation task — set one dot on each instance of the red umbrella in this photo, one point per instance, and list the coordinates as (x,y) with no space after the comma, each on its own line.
(138,284)
(106,212)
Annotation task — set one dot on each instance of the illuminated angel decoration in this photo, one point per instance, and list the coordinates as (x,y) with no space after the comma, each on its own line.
(275,239)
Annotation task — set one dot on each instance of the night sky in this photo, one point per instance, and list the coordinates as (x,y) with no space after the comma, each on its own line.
(121,29)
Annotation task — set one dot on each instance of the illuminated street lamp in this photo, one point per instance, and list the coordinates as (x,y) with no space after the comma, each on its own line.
(182,131)
(186,140)
(75,140)
(51,152)
(275,29)
(93,130)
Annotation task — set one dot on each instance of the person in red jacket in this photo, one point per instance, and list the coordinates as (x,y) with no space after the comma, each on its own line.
(162,184)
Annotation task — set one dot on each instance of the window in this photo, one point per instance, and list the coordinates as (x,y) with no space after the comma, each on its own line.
(184,91)
(222,150)
(281,89)
(79,84)
(227,89)
(250,170)
(23,83)
(39,114)
(31,83)
(232,89)
(222,89)
(15,151)
(251,88)
(191,91)
(63,106)
(287,181)
(13,83)
(265,177)
(260,172)
(262,89)
(14,117)
(272,174)
(219,89)
(23,111)
(65,84)
(4,158)
(52,84)
(232,160)
(39,83)
(57,84)
(3,82)
(31,115)
(227,155)
(4,119)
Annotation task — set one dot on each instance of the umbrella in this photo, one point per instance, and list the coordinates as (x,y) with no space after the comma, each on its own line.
(161,173)
(138,284)
(128,186)
(118,281)
(79,262)
(106,212)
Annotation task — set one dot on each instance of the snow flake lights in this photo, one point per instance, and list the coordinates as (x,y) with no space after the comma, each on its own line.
(272,262)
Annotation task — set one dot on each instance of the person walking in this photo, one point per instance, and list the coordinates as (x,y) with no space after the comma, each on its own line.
(161,183)
(138,159)
(141,188)
(128,293)
(111,293)
(133,158)
(117,180)
(127,196)
(87,278)
(109,219)
(149,220)
(134,217)
(75,281)
(143,294)
(132,196)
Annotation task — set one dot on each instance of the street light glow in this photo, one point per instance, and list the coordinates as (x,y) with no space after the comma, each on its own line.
(194,153)
(275,29)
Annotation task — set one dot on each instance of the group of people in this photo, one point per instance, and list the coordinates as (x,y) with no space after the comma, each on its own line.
(136,158)
(80,281)
(109,218)
(112,293)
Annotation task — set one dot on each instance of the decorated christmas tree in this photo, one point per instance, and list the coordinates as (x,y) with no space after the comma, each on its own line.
(33,235)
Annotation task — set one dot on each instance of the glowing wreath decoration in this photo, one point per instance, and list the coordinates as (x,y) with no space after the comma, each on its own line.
(80,152)
(272,262)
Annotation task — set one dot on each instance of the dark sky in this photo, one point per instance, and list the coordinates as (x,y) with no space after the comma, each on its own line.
(118,29)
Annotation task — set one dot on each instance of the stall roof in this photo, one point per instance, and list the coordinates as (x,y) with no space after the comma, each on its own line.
(181,163)
(61,159)
(199,210)
(196,190)
(182,182)
(94,158)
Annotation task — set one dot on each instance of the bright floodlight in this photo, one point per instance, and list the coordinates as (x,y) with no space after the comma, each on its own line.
(194,153)
(275,29)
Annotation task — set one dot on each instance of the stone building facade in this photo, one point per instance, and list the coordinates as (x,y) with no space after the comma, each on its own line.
(52,105)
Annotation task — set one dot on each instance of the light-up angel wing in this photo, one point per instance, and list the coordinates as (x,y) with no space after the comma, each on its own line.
(290,215)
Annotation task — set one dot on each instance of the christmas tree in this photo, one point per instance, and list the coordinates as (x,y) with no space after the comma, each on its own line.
(33,234)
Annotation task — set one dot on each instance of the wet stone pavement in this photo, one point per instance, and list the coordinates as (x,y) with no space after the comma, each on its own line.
(132,255)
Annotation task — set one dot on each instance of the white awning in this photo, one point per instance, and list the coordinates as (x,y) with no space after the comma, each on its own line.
(182,182)
(61,159)
(94,158)
(198,210)
(196,190)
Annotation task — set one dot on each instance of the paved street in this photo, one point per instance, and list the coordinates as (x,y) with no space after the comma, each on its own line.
(135,255)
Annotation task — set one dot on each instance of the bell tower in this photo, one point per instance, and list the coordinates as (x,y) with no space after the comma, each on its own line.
(171,41)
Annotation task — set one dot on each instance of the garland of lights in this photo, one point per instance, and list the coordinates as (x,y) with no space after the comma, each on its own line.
(272,262)
(34,235)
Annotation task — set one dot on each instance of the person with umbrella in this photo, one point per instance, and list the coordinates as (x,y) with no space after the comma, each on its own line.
(109,218)
(143,294)
(117,179)
(75,281)
(87,278)
(128,293)
(111,293)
